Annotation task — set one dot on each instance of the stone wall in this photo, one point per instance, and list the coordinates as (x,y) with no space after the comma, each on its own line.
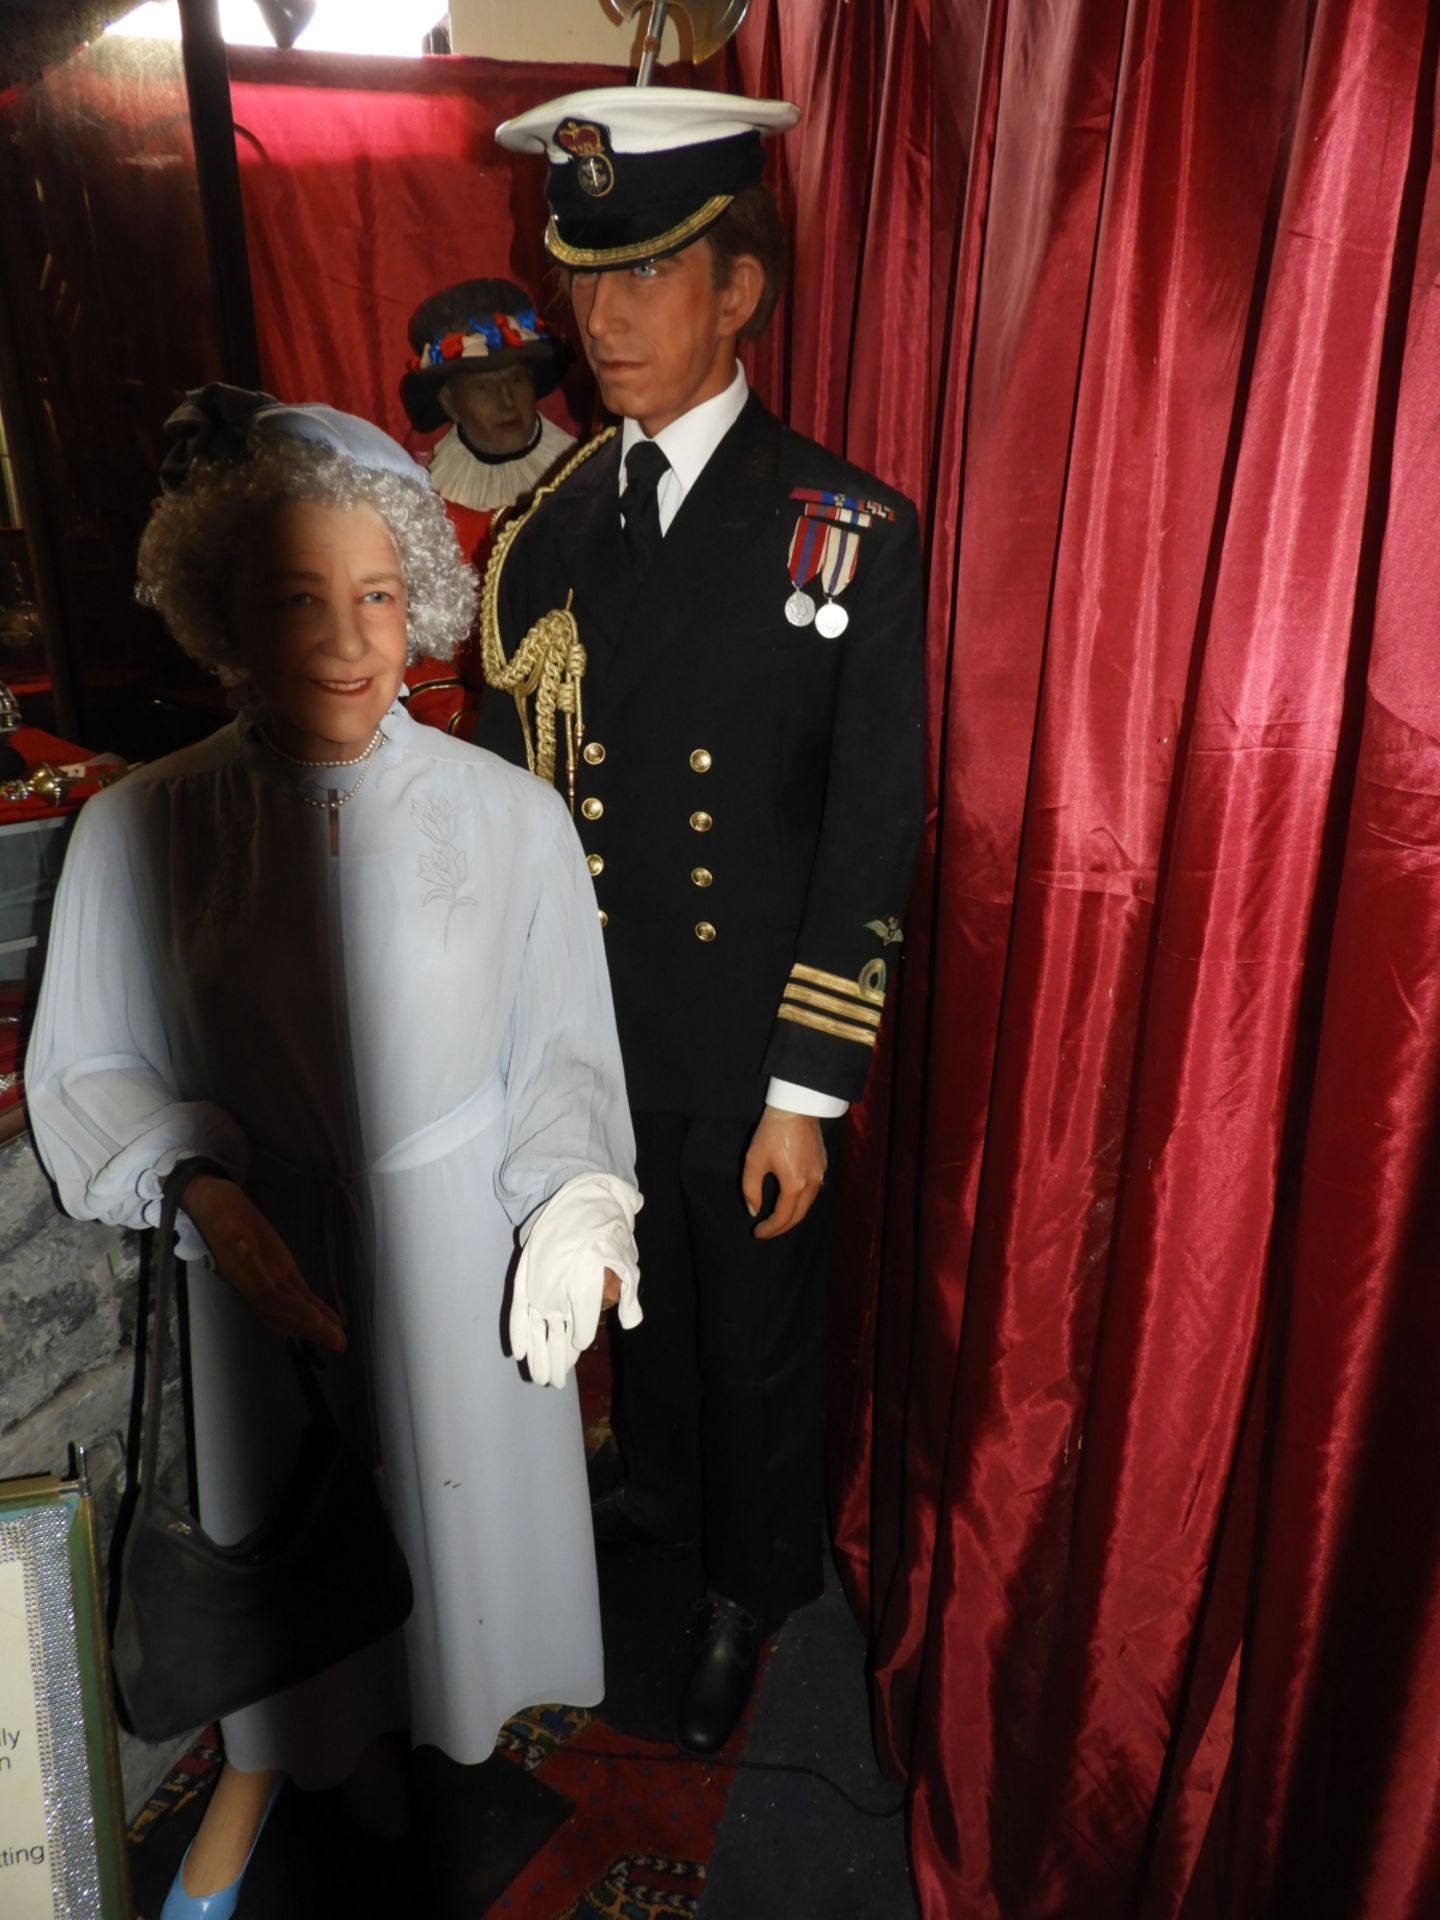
(67,1306)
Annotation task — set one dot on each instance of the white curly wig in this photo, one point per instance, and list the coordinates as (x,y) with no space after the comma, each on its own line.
(199,540)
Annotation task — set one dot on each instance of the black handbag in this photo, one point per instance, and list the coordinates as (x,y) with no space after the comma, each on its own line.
(201,1630)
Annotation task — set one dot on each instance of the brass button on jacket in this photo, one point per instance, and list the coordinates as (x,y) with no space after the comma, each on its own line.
(701,876)
(604,918)
(701,822)
(596,863)
(592,809)
(594,753)
(704,931)
(701,761)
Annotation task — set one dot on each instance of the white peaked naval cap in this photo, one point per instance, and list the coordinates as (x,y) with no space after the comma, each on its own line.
(639,172)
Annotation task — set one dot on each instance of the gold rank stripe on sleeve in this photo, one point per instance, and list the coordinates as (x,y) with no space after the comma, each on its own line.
(831,1003)
(822,1023)
(852,990)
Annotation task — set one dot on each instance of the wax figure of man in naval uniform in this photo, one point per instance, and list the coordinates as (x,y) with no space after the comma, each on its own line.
(709,634)
(480,359)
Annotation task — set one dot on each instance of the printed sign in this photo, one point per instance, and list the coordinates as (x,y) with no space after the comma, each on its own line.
(27,1890)
(62,1824)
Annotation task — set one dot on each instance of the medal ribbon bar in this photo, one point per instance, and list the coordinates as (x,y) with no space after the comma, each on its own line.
(847,500)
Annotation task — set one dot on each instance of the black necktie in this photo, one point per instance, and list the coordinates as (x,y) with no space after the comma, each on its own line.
(645,466)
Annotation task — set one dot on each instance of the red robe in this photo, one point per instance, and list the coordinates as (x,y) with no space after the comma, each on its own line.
(447,693)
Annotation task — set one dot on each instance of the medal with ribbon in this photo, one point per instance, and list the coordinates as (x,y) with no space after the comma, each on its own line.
(837,570)
(826,546)
(806,550)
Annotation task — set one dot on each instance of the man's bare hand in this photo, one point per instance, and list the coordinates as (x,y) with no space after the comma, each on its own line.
(791,1146)
(257,1263)
(611,1296)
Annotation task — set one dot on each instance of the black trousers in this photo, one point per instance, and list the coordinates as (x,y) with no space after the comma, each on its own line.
(719,1401)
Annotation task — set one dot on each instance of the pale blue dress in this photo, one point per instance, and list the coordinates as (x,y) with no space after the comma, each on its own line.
(394,1025)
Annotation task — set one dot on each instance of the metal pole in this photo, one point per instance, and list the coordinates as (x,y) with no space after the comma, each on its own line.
(207,82)
(650,45)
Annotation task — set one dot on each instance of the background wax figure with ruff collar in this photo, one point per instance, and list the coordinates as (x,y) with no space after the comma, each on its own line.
(481,357)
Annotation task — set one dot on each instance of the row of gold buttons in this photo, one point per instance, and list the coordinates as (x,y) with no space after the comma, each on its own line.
(703,929)
(594,752)
(701,761)
(594,810)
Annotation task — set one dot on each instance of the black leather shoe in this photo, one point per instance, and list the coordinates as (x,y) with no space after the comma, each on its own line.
(722,1672)
(616,1526)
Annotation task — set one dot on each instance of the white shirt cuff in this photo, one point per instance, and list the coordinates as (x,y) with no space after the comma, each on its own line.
(792,1099)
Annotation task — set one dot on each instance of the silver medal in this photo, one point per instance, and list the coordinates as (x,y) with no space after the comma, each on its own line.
(799,609)
(832,620)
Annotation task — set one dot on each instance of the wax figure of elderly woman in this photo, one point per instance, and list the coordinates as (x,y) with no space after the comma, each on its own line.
(334,951)
(481,357)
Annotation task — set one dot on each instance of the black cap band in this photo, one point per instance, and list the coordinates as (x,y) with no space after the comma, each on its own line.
(610,210)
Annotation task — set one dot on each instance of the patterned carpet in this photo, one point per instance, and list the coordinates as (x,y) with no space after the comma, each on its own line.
(624,1831)
(635,1846)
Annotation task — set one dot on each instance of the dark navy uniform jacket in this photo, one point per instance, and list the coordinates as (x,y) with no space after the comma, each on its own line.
(749,793)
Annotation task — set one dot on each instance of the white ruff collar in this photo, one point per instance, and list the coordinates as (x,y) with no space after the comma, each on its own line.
(457,475)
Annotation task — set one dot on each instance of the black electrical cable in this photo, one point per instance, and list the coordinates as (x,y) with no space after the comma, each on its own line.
(739,1766)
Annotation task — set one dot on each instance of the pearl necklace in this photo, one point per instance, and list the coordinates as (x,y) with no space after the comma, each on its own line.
(358,760)
(333,802)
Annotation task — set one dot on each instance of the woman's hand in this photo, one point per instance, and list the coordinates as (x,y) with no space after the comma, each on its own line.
(611,1296)
(256,1261)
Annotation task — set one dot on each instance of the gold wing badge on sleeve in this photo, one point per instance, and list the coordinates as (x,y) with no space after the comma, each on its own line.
(548,666)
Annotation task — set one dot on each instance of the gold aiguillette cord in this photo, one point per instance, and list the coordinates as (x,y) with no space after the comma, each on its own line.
(549,663)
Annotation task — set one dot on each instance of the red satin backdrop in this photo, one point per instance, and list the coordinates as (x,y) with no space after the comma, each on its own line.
(370,184)
(1135,1466)
(1148,1519)
(1135,1418)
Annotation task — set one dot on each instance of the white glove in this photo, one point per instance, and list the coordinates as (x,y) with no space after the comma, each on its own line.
(584,1227)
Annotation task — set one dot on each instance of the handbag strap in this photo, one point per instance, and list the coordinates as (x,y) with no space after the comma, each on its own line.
(152,1353)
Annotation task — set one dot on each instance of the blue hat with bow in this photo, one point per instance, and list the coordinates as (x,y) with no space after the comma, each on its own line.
(221,423)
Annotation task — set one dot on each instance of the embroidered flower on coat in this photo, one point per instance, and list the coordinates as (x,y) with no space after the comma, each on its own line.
(444,868)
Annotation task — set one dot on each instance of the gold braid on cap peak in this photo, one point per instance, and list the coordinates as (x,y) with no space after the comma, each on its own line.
(550,661)
(633,251)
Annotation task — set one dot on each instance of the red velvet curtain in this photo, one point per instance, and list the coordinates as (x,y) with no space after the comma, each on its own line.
(1139,1317)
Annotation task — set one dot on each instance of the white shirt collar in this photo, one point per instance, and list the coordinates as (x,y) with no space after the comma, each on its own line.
(687,443)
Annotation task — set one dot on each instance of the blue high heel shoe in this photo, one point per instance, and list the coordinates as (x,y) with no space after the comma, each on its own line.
(180,1905)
